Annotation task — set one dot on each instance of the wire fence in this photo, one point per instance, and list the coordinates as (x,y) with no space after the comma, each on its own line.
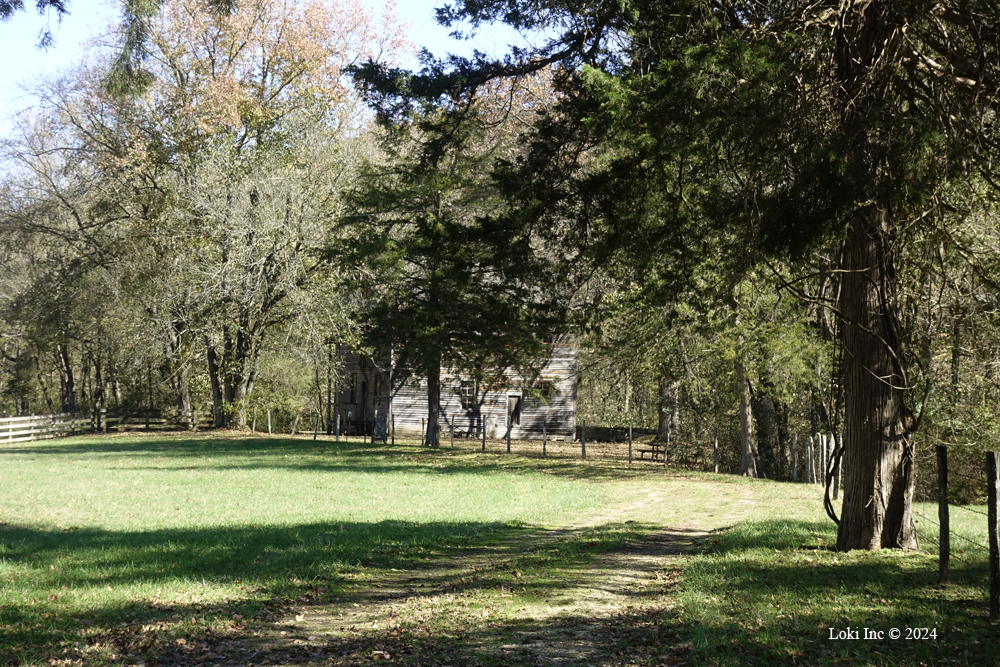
(933,540)
(972,526)
(983,547)
(969,509)
(641,446)
(566,448)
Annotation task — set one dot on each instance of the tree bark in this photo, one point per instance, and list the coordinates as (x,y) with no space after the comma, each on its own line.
(178,367)
(434,402)
(879,466)
(182,389)
(213,377)
(750,463)
(668,416)
(239,365)
(227,367)
(98,393)
(43,384)
(879,462)
(69,387)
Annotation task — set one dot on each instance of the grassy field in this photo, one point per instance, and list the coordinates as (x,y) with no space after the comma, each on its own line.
(229,549)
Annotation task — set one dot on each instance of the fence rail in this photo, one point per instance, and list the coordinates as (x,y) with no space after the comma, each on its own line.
(40,427)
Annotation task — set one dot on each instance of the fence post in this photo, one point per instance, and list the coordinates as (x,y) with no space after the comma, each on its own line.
(316,430)
(795,458)
(993,499)
(545,435)
(630,445)
(482,423)
(337,427)
(809,459)
(837,444)
(715,450)
(583,439)
(452,433)
(510,425)
(944,538)
(822,460)
(666,446)
(817,453)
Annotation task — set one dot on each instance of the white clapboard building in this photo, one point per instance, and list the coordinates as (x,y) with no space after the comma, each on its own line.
(362,399)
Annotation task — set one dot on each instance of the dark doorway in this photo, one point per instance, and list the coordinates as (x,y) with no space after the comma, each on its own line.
(514,410)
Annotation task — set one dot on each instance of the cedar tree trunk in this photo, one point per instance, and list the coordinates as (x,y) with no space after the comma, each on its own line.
(879,473)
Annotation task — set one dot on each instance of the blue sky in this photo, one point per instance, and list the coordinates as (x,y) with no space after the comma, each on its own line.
(21,62)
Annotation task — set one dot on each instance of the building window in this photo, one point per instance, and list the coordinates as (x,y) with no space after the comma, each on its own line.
(467,394)
(543,391)
(354,387)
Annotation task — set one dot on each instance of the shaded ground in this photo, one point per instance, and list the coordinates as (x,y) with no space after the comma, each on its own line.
(554,596)
(406,556)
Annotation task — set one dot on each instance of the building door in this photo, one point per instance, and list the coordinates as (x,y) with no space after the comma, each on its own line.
(514,410)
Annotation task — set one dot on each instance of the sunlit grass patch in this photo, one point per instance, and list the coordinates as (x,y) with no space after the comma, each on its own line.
(118,550)
(774,591)
(213,531)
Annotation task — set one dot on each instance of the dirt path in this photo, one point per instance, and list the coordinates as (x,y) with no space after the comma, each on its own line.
(502,605)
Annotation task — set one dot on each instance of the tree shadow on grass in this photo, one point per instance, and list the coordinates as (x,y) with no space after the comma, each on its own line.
(93,594)
(780,584)
(57,579)
(237,451)
(476,594)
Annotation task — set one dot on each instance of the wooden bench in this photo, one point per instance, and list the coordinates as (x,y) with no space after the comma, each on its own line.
(655,451)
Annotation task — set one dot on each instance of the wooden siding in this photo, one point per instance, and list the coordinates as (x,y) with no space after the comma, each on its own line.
(409,408)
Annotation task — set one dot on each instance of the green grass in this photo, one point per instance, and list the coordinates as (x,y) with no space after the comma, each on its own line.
(110,530)
(769,590)
(116,550)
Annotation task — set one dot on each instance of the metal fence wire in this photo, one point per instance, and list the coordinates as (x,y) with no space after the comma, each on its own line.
(985,548)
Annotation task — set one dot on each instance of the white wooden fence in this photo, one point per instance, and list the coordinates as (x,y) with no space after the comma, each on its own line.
(40,427)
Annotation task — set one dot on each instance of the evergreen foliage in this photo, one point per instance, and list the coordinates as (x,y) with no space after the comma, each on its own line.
(699,138)
(449,290)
